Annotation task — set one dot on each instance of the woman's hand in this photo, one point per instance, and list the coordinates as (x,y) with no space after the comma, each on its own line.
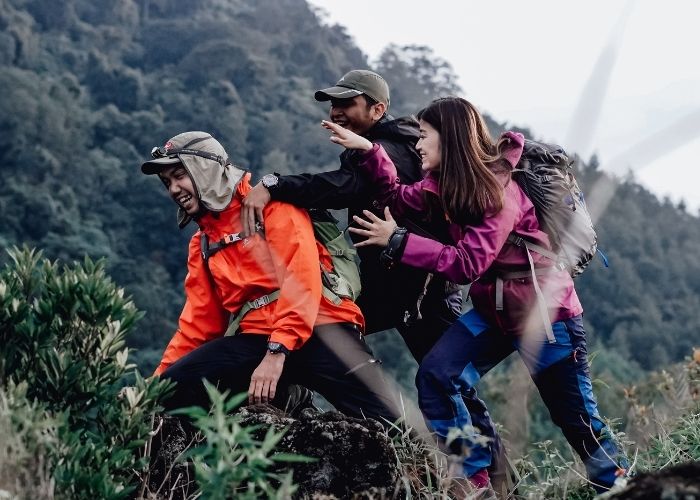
(346,138)
(376,230)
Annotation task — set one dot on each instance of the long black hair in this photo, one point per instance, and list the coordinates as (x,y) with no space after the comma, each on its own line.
(470,160)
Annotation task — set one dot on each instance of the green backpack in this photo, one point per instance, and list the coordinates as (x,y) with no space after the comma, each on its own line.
(342,282)
(344,279)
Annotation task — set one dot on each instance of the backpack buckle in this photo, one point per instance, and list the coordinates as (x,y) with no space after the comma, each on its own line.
(517,240)
(260,302)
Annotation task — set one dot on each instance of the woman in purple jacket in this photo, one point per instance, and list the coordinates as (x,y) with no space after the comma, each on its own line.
(468,179)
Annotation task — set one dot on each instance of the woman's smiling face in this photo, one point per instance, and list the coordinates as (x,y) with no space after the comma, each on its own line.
(428,147)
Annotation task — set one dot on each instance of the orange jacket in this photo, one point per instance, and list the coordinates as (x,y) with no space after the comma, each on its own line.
(286,258)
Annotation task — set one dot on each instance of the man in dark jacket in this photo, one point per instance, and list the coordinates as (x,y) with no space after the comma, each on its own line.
(390,298)
(419,306)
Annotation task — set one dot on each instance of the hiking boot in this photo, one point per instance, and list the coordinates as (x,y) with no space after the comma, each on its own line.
(480,479)
(475,487)
(298,399)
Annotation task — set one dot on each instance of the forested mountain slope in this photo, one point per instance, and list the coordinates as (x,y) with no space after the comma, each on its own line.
(88,87)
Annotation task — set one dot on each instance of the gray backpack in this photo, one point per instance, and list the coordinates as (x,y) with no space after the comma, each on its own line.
(546,176)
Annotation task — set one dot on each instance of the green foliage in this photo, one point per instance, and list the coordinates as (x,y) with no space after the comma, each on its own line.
(88,87)
(678,444)
(416,76)
(230,462)
(64,357)
(665,415)
(27,436)
(424,468)
(549,473)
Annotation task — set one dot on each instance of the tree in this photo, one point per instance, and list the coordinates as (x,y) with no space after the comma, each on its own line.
(416,76)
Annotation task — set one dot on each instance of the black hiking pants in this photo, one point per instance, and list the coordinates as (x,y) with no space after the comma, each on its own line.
(335,361)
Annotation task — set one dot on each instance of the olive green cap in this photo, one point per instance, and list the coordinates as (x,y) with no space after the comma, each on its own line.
(354,83)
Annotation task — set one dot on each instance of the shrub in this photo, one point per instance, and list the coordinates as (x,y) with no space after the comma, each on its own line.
(229,461)
(64,367)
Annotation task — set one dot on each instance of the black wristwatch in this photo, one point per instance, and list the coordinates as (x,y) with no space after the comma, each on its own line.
(270,181)
(277,348)
(394,249)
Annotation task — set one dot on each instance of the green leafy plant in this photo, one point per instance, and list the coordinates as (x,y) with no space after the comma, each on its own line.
(27,434)
(62,331)
(230,462)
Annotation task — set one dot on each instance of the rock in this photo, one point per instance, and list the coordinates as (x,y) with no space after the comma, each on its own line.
(679,482)
(355,458)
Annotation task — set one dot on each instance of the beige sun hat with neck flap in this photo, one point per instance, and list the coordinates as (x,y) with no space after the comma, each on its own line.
(215,179)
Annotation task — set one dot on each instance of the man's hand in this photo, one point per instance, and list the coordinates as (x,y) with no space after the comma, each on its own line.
(252,208)
(377,231)
(263,383)
(346,138)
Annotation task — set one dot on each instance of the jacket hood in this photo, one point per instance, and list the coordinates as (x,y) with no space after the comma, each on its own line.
(206,161)
(215,184)
(514,149)
(404,129)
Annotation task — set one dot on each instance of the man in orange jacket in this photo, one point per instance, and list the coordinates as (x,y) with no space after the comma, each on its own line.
(255,316)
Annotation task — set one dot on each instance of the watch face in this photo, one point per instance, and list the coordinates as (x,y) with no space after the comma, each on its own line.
(276,347)
(269,180)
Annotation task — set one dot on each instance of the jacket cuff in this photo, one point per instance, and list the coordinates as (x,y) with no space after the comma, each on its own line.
(421,252)
(291,342)
(365,155)
(277,193)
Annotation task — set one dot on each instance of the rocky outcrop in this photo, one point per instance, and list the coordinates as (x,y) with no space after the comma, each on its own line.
(354,457)
(679,482)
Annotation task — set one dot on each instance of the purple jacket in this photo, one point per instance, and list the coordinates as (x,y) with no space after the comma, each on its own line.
(481,251)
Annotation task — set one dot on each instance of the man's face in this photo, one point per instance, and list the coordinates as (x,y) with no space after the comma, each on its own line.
(354,114)
(181,188)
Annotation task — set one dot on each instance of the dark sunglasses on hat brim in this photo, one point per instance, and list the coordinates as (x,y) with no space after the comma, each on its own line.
(160,152)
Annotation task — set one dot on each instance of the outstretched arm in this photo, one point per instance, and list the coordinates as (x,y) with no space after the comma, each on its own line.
(381,173)
(343,188)
(337,189)
(460,263)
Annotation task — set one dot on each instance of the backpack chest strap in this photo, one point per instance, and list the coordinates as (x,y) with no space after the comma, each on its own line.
(209,249)
(261,302)
(247,307)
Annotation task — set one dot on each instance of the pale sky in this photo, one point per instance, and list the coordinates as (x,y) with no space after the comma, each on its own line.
(530,62)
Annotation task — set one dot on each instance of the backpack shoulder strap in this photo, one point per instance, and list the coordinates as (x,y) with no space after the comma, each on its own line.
(519,241)
(235,321)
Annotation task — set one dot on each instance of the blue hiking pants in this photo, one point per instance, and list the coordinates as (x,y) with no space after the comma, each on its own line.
(470,348)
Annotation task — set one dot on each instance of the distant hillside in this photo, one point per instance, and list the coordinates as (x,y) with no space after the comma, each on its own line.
(87,88)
